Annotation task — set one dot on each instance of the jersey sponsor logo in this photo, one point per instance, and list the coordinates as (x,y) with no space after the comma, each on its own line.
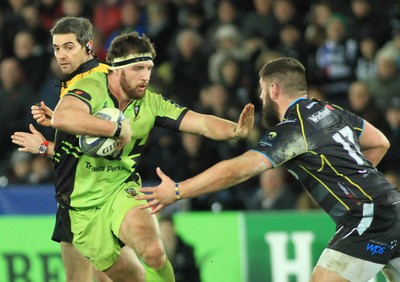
(78,92)
(375,249)
(320,115)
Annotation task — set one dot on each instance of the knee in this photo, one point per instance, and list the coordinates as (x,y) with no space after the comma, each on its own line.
(154,255)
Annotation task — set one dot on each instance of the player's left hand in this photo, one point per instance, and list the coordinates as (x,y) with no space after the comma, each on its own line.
(28,142)
(246,122)
(160,196)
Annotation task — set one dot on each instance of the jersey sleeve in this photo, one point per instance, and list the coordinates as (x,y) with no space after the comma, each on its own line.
(168,114)
(90,90)
(354,120)
(283,142)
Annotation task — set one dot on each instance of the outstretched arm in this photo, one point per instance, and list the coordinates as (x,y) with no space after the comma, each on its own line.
(218,128)
(220,176)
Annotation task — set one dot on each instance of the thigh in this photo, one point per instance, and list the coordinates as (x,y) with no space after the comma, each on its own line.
(77,267)
(140,230)
(135,227)
(342,266)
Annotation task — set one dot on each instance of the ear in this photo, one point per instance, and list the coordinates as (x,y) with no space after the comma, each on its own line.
(89,47)
(274,90)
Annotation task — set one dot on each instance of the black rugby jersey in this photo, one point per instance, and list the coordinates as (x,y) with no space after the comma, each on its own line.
(319,145)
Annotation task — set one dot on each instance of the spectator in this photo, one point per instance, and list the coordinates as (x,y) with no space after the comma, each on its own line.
(335,61)
(49,11)
(20,167)
(284,13)
(227,14)
(227,43)
(316,22)
(385,85)
(33,23)
(366,65)
(188,68)
(30,55)
(366,21)
(160,28)
(12,22)
(131,20)
(362,103)
(291,43)
(258,22)
(392,158)
(392,46)
(192,15)
(15,102)
(107,16)
(273,192)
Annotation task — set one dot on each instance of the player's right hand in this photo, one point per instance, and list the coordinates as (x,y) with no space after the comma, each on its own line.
(125,136)
(42,114)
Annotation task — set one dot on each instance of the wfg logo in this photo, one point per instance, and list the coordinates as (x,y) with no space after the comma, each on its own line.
(375,249)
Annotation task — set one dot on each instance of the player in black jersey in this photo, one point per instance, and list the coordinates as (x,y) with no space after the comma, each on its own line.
(334,154)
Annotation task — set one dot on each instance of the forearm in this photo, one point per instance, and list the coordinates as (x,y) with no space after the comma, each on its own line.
(375,155)
(224,174)
(75,121)
(219,129)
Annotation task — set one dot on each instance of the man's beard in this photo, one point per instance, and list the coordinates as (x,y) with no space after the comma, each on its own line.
(132,93)
(270,113)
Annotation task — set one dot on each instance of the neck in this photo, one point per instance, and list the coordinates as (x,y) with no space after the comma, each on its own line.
(285,103)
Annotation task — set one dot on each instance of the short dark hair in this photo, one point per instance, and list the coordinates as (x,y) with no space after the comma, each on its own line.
(289,71)
(127,44)
(81,27)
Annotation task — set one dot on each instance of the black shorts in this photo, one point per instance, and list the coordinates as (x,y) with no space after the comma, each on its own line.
(372,234)
(62,229)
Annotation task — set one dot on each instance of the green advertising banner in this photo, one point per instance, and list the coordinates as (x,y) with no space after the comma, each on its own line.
(229,246)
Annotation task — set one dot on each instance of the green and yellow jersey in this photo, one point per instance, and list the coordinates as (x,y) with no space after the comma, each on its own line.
(82,71)
(83,182)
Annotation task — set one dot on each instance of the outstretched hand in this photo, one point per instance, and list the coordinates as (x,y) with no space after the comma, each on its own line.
(246,122)
(28,142)
(42,114)
(158,197)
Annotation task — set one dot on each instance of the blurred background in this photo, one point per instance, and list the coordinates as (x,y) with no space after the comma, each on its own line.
(208,57)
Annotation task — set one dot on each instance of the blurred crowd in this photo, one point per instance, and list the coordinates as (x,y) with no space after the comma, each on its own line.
(208,57)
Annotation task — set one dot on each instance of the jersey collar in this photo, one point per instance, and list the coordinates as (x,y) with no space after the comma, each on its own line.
(92,63)
(292,104)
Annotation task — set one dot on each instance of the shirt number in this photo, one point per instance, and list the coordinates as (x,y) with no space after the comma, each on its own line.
(345,137)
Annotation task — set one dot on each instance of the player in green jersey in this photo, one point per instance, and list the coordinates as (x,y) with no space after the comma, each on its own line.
(334,154)
(99,192)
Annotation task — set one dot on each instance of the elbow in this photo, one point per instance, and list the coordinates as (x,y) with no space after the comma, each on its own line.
(58,121)
(386,145)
